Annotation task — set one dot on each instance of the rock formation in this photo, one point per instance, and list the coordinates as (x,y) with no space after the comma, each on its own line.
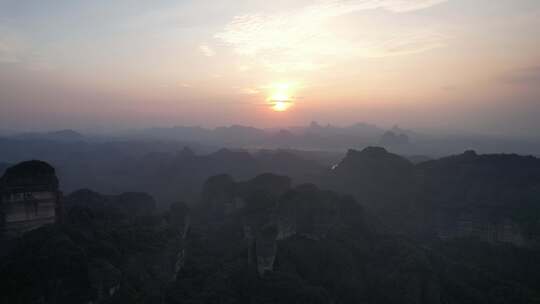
(391,139)
(29,197)
(271,211)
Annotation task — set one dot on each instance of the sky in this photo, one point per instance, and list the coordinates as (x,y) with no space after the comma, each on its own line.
(467,65)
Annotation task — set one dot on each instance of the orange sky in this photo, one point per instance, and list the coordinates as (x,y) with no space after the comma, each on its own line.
(457,64)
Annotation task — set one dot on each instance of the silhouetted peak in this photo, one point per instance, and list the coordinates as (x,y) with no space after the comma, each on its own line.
(283,133)
(394,138)
(60,135)
(238,132)
(362,125)
(372,158)
(314,125)
(374,151)
(68,133)
(470,153)
(369,152)
(34,173)
(225,153)
(237,128)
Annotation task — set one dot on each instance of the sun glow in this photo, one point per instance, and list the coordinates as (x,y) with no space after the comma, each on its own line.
(280,99)
(281,106)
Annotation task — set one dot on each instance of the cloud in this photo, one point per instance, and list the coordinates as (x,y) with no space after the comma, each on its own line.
(397,6)
(303,39)
(525,76)
(249,91)
(207,51)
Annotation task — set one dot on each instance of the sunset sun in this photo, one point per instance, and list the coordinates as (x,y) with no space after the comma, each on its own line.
(280,100)
(281,106)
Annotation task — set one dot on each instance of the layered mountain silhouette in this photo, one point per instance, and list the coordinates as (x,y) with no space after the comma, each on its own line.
(60,135)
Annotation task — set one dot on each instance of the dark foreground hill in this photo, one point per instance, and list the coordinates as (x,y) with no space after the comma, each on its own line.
(258,241)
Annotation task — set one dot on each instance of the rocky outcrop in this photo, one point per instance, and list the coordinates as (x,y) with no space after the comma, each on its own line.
(29,198)
(391,139)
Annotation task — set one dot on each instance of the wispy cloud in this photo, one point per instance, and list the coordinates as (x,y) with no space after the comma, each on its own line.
(302,39)
(250,91)
(398,6)
(207,51)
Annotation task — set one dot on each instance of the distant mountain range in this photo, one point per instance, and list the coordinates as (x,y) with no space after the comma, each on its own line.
(61,135)
(314,136)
